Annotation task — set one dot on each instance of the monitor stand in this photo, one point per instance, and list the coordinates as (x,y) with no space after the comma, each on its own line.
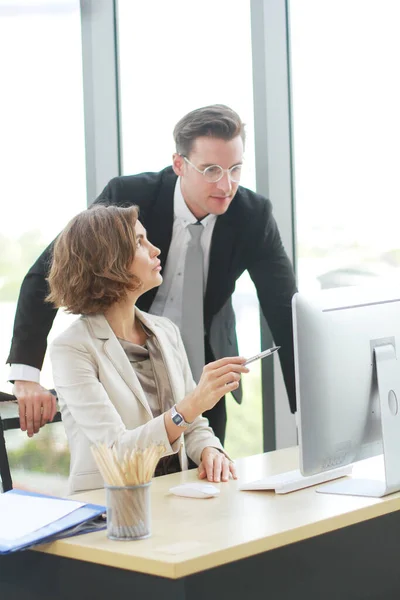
(388,375)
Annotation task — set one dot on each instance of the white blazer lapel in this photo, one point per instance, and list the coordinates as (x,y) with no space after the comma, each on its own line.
(116,354)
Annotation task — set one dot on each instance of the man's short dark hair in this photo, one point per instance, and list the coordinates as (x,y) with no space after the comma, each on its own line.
(217,121)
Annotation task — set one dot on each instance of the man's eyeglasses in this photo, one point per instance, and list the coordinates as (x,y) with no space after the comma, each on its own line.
(214,173)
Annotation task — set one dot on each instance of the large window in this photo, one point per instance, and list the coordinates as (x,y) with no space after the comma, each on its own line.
(43,184)
(346,99)
(202,56)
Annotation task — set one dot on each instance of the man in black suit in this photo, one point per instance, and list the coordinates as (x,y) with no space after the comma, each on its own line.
(239,233)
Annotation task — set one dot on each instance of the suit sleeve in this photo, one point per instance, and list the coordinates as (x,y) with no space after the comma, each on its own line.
(34,317)
(273,276)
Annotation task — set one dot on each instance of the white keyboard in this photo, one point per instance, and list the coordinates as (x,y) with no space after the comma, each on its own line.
(291,481)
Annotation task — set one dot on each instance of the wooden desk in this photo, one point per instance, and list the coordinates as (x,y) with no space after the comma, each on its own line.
(238,545)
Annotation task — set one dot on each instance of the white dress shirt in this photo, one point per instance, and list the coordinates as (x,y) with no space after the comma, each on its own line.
(168,301)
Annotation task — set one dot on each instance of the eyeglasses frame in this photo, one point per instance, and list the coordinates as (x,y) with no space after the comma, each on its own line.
(228,171)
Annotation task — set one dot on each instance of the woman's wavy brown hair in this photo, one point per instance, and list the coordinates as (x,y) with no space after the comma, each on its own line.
(92,258)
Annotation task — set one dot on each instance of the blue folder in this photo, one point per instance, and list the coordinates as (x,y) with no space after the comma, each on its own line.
(87,518)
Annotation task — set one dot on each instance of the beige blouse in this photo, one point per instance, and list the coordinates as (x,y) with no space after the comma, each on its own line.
(149,367)
(148,364)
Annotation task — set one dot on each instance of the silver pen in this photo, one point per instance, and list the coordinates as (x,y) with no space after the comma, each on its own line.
(261,355)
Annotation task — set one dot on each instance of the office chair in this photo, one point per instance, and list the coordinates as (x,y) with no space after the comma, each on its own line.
(6,424)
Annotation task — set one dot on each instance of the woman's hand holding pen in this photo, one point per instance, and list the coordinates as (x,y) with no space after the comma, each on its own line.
(218,378)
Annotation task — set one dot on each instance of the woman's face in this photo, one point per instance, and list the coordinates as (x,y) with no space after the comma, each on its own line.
(146,265)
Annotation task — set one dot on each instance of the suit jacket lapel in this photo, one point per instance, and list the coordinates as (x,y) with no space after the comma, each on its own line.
(220,265)
(116,354)
(159,224)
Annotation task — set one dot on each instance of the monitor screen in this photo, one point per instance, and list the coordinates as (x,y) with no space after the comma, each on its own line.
(346,344)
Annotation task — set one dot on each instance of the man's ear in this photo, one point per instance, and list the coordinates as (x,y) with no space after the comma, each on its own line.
(178,164)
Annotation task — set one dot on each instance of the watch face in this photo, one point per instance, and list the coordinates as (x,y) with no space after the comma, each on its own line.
(177,419)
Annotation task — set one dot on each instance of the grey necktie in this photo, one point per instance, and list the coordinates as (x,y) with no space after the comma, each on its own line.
(192,302)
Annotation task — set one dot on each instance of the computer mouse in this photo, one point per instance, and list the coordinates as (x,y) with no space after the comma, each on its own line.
(195,490)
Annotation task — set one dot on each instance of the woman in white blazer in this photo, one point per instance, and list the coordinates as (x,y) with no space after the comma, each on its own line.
(122,376)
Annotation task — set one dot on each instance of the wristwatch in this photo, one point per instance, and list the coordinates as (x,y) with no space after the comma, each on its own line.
(177,418)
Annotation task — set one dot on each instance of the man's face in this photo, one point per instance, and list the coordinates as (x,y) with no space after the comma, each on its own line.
(202,197)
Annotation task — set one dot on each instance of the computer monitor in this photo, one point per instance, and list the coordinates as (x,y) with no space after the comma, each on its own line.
(347,344)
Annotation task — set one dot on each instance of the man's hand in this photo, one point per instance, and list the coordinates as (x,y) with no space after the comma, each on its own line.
(215,466)
(36,406)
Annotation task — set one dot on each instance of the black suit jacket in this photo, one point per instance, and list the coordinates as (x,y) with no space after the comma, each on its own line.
(246,237)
